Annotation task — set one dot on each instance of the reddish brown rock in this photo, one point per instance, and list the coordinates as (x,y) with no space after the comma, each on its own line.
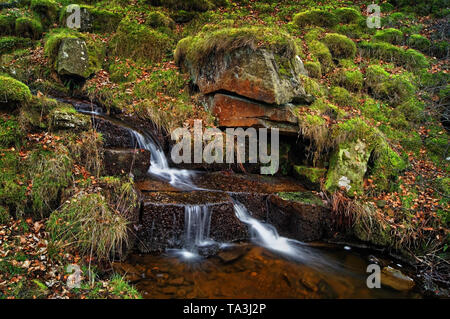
(232,111)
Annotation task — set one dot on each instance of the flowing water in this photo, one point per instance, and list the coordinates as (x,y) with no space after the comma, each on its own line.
(271,267)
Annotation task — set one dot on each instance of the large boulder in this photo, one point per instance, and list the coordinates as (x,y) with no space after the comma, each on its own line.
(73,58)
(255,63)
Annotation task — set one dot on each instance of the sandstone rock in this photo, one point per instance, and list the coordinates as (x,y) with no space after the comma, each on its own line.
(73,59)
(232,111)
(259,75)
(124,161)
(348,164)
(396,279)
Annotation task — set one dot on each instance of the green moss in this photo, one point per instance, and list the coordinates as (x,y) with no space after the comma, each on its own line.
(348,15)
(187,5)
(351,80)
(123,290)
(12,194)
(312,87)
(301,197)
(314,69)
(9,44)
(370,228)
(355,31)
(13,92)
(197,49)
(390,35)
(158,19)
(411,58)
(437,144)
(10,133)
(413,109)
(139,42)
(376,76)
(28,28)
(101,21)
(46,9)
(34,115)
(122,71)
(7,24)
(4,215)
(310,176)
(340,46)
(53,41)
(342,97)
(66,117)
(321,52)
(313,34)
(321,18)
(419,42)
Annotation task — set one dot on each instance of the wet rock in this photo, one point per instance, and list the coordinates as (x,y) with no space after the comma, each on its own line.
(233,254)
(73,59)
(125,161)
(259,74)
(396,279)
(233,111)
(302,220)
(114,136)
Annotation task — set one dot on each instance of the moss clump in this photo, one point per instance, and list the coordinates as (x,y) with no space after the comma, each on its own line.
(376,76)
(342,97)
(139,42)
(313,34)
(7,24)
(13,92)
(321,52)
(34,115)
(413,109)
(352,80)
(312,87)
(390,35)
(9,44)
(314,69)
(320,18)
(187,5)
(46,9)
(4,215)
(340,46)
(348,15)
(10,132)
(301,197)
(419,42)
(157,19)
(411,58)
(12,194)
(28,28)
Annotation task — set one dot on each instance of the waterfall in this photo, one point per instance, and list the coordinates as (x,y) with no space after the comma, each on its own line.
(159,165)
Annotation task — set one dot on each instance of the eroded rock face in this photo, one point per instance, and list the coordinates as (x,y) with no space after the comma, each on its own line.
(233,111)
(348,165)
(73,59)
(259,75)
(125,161)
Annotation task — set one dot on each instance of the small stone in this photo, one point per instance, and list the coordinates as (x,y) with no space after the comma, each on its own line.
(396,279)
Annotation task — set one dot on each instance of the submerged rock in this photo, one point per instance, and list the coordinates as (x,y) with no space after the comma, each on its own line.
(73,59)
(396,279)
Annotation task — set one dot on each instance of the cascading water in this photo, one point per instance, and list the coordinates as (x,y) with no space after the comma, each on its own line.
(159,165)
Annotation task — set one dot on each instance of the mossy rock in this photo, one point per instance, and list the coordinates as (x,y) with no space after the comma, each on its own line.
(312,87)
(352,80)
(187,5)
(158,19)
(46,9)
(342,97)
(301,197)
(314,69)
(139,42)
(390,35)
(339,45)
(67,118)
(73,59)
(321,52)
(10,44)
(7,24)
(34,116)
(348,15)
(320,18)
(419,42)
(309,176)
(28,28)
(13,92)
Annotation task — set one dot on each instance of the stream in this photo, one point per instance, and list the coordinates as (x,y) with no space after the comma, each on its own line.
(268,266)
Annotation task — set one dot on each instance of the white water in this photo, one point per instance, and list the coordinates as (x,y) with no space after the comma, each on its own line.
(159,165)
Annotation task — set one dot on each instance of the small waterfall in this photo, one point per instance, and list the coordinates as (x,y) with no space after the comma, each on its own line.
(159,165)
